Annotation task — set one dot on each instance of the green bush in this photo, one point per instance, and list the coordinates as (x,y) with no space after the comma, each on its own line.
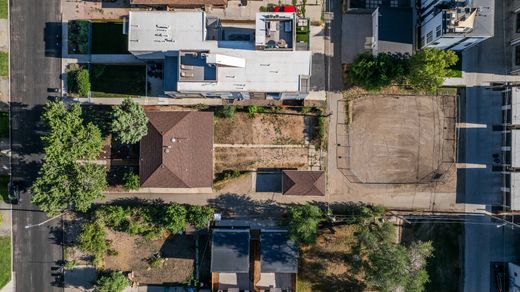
(113,216)
(78,81)
(78,36)
(227,174)
(200,216)
(252,110)
(92,240)
(131,182)
(112,282)
(129,122)
(226,111)
(175,218)
(375,72)
(303,223)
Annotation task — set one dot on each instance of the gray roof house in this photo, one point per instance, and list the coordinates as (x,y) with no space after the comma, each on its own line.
(253,259)
(203,58)
(383,30)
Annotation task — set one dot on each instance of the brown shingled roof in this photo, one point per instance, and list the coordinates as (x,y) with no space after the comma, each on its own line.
(180,2)
(177,152)
(303,183)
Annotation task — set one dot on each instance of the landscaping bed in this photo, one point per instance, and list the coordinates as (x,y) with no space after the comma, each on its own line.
(108,38)
(4,64)
(78,31)
(118,80)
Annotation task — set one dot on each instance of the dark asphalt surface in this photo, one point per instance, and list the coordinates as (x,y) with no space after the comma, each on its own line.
(35,66)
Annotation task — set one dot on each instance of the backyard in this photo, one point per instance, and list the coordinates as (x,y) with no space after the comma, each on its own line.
(323,267)
(4,64)
(272,139)
(118,80)
(108,38)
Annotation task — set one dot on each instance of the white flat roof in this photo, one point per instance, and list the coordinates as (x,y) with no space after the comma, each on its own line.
(515,190)
(167,31)
(264,71)
(515,148)
(515,106)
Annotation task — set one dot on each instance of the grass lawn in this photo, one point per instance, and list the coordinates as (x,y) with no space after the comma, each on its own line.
(4,63)
(118,80)
(3,9)
(5,260)
(4,125)
(108,38)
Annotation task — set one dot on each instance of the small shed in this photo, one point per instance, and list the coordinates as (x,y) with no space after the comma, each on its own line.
(303,183)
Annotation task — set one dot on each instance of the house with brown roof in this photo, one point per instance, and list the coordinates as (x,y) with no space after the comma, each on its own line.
(303,183)
(177,152)
(180,3)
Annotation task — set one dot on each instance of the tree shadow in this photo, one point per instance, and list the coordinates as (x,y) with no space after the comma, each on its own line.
(178,246)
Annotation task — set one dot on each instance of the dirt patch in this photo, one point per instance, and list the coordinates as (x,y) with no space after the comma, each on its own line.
(323,266)
(133,253)
(268,128)
(401,139)
(245,158)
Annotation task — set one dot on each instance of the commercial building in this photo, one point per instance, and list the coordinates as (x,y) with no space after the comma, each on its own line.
(455,24)
(202,58)
(513,21)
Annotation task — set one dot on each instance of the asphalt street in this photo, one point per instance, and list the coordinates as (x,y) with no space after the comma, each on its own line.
(35,27)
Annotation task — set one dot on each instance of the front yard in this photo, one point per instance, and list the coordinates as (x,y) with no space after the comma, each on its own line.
(108,38)
(118,80)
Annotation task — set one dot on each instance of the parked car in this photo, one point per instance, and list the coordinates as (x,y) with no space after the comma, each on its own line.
(14,193)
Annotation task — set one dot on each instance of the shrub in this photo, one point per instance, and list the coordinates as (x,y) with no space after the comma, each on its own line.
(252,110)
(69,265)
(175,218)
(200,216)
(112,282)
(83,82)
(201,107)
(226,111)
(429,67)
(113,216)
(303,223)
(228,174)
(92,240)
(131,181)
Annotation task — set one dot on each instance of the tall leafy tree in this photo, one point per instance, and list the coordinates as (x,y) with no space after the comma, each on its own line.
(67,180)
(175,217)
(386,265)
(129,122)
(199,216)
(375,72)
(303,223)
(429,67)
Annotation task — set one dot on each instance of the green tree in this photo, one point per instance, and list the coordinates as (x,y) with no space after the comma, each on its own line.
(375,72)
(129,122)
(429,67)
(386,265)
(175,217)
(66,179)
(114,281)
(303,223)
(131,181)
(200,216)
(92,240)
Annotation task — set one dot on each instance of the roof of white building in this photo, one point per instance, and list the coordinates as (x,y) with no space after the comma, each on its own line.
(239,66)
(515,191)
(515,148)
(264,71)
(515,106)
(167,31)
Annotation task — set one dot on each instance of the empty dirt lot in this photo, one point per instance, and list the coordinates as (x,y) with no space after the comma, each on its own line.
(401,139)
